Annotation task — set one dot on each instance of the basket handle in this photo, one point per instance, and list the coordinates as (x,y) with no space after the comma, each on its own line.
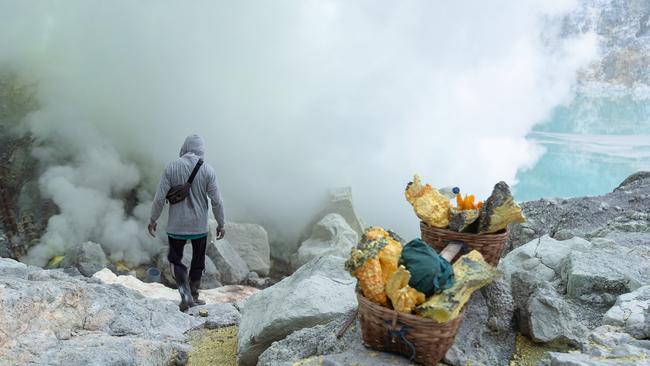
(396,330)
(453,249)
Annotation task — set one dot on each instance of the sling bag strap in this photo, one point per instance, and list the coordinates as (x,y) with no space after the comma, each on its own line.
(196,170)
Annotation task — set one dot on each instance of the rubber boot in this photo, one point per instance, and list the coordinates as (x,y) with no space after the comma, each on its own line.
(194,288)
(186,294)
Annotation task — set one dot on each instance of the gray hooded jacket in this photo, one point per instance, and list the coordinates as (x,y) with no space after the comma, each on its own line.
(189,216)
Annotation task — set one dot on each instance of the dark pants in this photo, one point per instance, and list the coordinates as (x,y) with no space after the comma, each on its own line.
(175,257)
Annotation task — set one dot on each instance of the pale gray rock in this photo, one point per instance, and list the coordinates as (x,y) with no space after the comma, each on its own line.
(330,236)
(88,258)
(317,293)
(551,319)
(211,274)
(607,346)
(542,314)
(318,346)
(340,202)
(605,271)
(219,315)
(50,317)
(12,268)
(254,280)
(250,241)
(313,341)
(632,312)
(542,257)
(232,268)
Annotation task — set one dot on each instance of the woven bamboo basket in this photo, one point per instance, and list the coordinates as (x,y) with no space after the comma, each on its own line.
(491,246)
(421,339)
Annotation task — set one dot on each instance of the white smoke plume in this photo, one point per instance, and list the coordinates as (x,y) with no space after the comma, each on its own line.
(292,98)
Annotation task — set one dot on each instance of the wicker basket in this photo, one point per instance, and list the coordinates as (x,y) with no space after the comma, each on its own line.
(491,246)
(421,339)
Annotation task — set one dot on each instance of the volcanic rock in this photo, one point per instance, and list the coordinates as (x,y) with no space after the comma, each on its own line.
(88,258)
(316,293)
(632,312)
(499,210)
(232,268)
(461,220)
(250,241)
(330,236)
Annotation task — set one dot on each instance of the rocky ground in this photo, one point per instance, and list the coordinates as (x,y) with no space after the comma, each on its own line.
(575,290)
(54,317)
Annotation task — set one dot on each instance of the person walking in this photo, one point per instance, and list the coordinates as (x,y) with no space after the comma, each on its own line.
(187,183)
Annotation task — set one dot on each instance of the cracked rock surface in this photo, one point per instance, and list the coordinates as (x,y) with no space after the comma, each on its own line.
(49,317)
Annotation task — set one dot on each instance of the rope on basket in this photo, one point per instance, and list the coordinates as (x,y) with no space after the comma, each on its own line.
(395,331)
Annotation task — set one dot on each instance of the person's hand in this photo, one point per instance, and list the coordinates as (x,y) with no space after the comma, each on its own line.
(152,229)
(221,232)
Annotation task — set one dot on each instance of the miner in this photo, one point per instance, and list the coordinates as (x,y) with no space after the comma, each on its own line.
(186,184)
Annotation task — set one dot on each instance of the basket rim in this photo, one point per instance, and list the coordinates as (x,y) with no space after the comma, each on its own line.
(409,317)
(499,234)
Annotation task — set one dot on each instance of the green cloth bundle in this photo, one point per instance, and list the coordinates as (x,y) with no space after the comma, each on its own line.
(430,273)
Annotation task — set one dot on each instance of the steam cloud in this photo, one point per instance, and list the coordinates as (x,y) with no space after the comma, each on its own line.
(292,98)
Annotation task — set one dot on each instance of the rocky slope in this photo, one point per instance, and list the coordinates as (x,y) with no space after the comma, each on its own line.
(577,279)
(52,317)
(564,292)
(622,215)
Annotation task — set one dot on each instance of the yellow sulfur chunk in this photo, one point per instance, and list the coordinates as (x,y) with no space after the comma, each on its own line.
(389,258)
(414,190)
(371,281)
(375,233)
(429,205)
(471,272)
(402,296)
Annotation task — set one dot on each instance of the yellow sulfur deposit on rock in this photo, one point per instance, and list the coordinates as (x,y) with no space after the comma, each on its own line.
(429,205)
(55,261)
(402,296)
(499,210)
(471,273)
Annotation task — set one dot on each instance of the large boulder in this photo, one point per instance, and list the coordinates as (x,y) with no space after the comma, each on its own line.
(542,314)
(340,202)
(542,257)
(317,293)
(551,318)
(211,275)
(313,341)
(88,258)
(320,346)
(603,273)
(48,317)
(232,268)
(330,236)
(250,241)
(632,312)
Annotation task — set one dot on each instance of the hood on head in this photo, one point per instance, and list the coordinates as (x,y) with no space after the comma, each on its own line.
(193,144)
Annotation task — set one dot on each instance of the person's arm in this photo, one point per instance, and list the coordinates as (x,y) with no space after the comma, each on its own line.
(159,202)
(217,204)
